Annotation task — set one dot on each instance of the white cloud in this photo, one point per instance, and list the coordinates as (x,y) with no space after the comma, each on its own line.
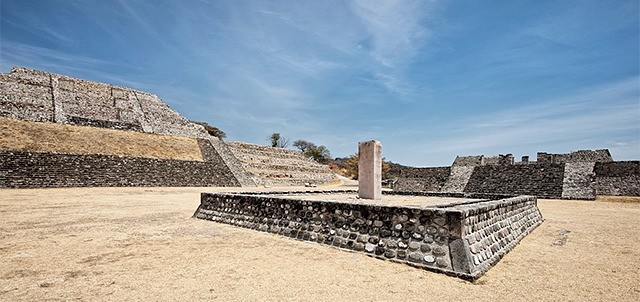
(395,27)
(593,118)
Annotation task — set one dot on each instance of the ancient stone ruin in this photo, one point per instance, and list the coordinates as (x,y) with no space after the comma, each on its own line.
(278,166)
(463,238)
(577,175)
(36,97)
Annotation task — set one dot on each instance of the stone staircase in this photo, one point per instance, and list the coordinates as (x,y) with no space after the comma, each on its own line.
(278,166)
(458,179)
(579,181)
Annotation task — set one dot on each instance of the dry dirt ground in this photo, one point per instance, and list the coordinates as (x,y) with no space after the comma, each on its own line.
(129,244)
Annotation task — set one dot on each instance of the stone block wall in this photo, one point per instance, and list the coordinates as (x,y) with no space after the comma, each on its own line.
(422,179)
(580,174)
(45,170)
(463,240)
(542,180)
(279,166)
(26,96)
(491,229)
(21,169)
(601,155)
(232,162)
(44,97)
(468,160)
(579,181)
(620,178)
(498,160)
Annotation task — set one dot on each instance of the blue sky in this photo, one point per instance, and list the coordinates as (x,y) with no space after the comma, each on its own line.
(429,79)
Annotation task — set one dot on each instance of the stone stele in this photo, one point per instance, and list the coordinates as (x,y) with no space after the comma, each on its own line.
(370,170)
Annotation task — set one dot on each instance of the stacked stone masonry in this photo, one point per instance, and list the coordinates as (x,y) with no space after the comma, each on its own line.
(464,240)
(577,175)
(44,97)
(278,166)
(618,178)
(542,180)
(458,179)
(424,179)
(44,170)
(602,155)
(232,162)
(579,181)
(39,96)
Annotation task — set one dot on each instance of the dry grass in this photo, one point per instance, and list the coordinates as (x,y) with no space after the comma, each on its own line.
(623,199)
(123,244)
(56,138)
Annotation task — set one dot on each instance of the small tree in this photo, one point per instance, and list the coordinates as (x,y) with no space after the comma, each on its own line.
(352,166)
(303,145)
(318,153)
(278,141)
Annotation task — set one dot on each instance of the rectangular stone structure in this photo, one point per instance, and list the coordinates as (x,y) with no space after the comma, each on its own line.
(463,239)
(370,170)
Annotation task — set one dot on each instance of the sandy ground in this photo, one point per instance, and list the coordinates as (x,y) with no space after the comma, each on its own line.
(131,244)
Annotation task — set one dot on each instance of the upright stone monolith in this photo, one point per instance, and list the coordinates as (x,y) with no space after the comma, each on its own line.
(370,170)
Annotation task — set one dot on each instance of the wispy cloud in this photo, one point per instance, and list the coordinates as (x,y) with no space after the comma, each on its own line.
(396,28)
(582,120)
(397,32)
(15,53)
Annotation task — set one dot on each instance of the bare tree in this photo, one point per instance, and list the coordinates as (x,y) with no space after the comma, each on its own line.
(278,141)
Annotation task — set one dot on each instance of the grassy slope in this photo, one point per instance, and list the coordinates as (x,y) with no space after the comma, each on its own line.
(46,137)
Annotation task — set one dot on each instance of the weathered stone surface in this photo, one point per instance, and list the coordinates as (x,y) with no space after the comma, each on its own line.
(617,178)
(279,166)
(439,251)
(415,257)
(401,254)
(570,176)
(442,262)
(83,102)
(390,253)
(369,247)
(46,170)
(480,233)
(370,170)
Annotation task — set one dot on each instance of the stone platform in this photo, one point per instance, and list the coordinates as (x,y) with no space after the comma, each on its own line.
(456,234)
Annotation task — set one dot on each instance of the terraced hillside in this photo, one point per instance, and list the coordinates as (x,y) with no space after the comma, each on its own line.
(278,166)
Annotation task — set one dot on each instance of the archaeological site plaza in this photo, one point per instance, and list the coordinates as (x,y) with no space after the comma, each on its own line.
(461,220)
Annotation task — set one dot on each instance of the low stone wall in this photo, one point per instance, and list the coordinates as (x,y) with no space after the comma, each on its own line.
(620,178)
(459,239)
(45,170)
(542,180)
